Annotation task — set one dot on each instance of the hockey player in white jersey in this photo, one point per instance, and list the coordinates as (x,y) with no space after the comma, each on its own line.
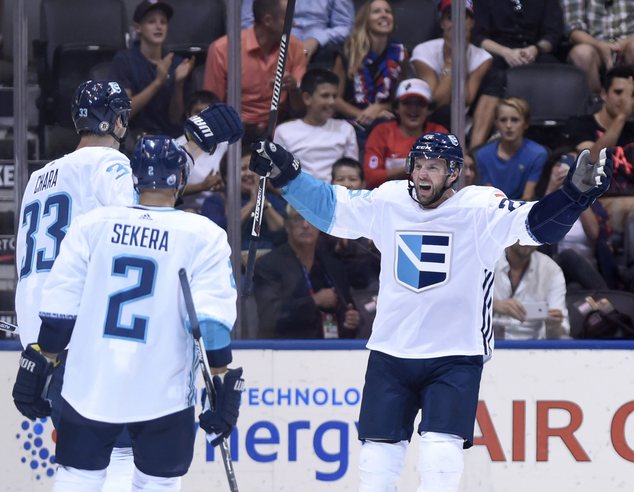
(432,331)
(96,174)
(113,295)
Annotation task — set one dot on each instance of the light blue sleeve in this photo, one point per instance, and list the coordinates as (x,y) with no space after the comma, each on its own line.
(331,208)
(215,335)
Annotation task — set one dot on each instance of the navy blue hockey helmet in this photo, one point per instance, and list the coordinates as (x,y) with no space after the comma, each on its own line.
(96,106)
(159,162)
(435,145)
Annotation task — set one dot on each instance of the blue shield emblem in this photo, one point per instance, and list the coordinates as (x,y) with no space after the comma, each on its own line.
(422,259)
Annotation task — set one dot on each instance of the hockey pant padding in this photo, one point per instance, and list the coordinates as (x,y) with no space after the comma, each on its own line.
(68,479)
(440,462)
(120,470)
(380,465)
(149,483)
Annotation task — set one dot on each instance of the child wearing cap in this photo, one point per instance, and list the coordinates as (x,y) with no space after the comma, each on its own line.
(153,79)
(389,142)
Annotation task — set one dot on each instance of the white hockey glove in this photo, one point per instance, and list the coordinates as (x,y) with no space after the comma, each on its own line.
(587,181)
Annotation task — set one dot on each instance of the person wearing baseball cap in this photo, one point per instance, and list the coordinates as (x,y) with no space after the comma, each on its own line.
(389,143)
(152,78)
(147,5)
(445,5)
(433,61)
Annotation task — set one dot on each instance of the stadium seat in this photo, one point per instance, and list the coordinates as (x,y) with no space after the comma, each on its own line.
(75,35)
(621,300)
(554,91)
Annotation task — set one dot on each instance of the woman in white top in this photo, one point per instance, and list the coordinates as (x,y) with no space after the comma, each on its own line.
(432,61)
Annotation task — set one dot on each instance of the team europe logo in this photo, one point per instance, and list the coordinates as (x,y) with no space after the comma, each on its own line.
(422,259)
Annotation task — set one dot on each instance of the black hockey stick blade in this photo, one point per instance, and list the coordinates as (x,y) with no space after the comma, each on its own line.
(8,327)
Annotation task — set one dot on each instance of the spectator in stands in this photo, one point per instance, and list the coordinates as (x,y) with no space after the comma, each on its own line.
(272,230)
(360,258)
(322,25)
(516,32)
(204,176)
(611,127)
(469,174)
(260,46)
(525,276)
(302,292)
(154,80)
(513,163)
(584,253)
(602,35)
(389,142)
(432,61)
(369,67)
(318,139)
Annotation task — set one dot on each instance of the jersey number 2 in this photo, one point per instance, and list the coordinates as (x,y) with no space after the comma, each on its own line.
(122,266)
(57,230)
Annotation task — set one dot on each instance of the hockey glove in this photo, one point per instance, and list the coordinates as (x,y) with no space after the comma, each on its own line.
(275,162)
(222,420)
(214,124)
(30,383)
(587,181)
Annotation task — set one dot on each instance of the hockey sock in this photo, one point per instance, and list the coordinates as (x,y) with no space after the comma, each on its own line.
(440,462)
(68,479)
(380,465)
(141,482)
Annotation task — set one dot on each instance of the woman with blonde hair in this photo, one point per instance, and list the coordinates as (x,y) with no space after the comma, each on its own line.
(370,66)
(513,163)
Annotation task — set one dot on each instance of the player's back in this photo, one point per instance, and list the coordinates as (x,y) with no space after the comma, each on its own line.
(55,195)
(129,339)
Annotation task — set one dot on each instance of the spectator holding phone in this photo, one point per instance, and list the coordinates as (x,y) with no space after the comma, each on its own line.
(523,278)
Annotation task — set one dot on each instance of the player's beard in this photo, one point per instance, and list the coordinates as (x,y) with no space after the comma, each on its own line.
(437,193)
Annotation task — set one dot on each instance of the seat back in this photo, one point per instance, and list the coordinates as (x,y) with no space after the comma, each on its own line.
(76,35)
(554,91)
(82,22)
(623,301)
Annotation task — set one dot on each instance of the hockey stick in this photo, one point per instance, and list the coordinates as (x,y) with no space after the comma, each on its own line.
(259,201)
(204,367)
(8,327)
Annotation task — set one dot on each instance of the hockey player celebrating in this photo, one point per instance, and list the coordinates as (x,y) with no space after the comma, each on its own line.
(432,331)
(114,299)
(96,174)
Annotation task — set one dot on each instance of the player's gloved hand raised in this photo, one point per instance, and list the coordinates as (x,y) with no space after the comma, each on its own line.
(588,180)
(30,383)
(214,124)
(274,161)
(222,420)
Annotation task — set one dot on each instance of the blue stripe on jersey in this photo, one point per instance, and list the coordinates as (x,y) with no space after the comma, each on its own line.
(436,240)
(486,328)
(305,189)
(433,257)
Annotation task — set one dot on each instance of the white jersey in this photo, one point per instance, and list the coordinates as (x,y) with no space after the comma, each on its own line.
(54,197)
(437,265)
(130,356)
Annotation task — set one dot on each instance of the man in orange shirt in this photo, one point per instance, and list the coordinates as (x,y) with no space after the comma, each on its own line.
(389,143)
(260,47)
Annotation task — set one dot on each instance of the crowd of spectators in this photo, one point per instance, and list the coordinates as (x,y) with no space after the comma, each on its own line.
(354,99)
